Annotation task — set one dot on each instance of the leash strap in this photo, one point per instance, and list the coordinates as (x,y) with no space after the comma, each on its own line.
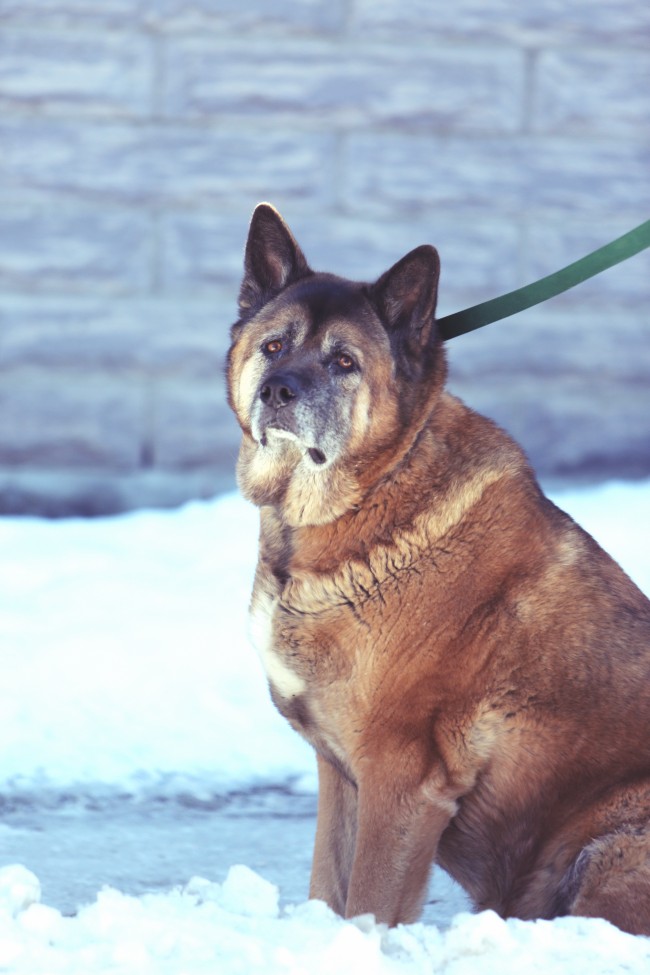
(599,260)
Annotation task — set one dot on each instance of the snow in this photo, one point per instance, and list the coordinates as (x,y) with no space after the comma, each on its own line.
(236,928)
(127,667)
(130,666)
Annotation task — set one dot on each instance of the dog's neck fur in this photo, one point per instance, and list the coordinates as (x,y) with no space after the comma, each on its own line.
(438,463)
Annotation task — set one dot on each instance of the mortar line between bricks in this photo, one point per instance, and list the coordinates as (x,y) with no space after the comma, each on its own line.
(523,230)
(158,76)
(338,171)
(268,122)
(147,444)
(531,70)
(113,26)
(157,250)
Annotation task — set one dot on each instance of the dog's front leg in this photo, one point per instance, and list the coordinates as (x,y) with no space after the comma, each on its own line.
(335,837)
(397,837)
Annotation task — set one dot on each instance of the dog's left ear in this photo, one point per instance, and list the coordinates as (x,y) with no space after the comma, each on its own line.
(272,260)
(405,296)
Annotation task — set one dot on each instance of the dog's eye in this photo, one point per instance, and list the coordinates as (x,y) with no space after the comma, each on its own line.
(345,361)
(275,345)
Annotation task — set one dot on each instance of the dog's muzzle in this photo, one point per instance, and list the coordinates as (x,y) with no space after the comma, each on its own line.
(277,392)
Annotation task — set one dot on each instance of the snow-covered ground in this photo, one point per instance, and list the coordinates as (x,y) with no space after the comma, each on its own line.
(127,668)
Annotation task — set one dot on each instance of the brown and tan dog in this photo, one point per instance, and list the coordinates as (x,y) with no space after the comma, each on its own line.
(471,668)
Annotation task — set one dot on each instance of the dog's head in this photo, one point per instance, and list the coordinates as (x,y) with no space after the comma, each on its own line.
(330,379)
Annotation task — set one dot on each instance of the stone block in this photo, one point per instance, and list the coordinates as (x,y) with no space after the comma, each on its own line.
(188,339)
(592,92)
(73,249)
(151,163)
(510,176)
(204,249)
(347,85)
(62,494)
(573,388)
(529,24)
(193,426)
(281,16)
(55,419)
(73,13)
(555,343)
(68,72)
(561,425)
(66,333)
(138,337)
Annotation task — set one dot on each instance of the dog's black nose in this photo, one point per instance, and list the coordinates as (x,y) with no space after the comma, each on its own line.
(278,391)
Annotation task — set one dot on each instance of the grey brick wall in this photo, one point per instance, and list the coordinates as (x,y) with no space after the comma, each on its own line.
(137,135)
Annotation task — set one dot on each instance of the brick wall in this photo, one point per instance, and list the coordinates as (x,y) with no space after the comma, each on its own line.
(137,135)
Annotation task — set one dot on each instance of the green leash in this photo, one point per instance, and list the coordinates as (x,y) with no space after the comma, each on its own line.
(599,260)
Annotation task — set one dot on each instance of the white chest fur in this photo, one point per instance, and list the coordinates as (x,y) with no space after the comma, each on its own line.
(282,678)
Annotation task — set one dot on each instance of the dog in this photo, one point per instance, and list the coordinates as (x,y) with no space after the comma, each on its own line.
(471,668)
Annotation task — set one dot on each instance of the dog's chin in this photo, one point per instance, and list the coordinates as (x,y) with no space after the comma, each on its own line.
(309,485)
(274,438)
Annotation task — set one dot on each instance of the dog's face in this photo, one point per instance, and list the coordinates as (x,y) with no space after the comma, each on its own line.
(325,374)
(308,373)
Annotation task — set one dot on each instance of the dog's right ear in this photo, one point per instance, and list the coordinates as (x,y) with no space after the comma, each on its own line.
(272,260)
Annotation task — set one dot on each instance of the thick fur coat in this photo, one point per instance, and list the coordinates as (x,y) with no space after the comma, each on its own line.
(472,670)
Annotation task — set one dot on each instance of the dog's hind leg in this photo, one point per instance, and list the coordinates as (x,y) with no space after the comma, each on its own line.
(335,837)
(611,879)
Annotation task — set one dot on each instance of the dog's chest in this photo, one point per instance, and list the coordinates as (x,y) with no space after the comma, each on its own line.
(298,666)
(284,679)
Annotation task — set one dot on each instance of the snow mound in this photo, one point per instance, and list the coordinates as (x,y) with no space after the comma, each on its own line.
(19,889)
(236,928)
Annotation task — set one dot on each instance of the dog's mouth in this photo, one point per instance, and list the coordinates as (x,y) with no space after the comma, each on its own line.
(317,456)
(272,432)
